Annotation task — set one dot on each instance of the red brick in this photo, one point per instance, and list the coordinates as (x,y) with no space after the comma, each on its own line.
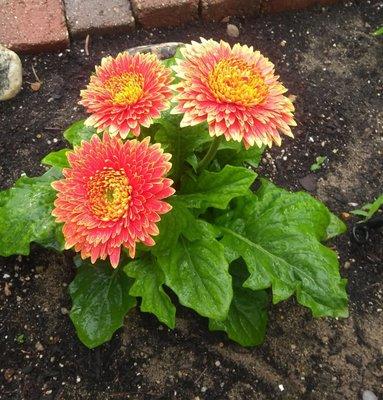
(274,6)
(98,16)
(216,10)
(33,25)
(161,13)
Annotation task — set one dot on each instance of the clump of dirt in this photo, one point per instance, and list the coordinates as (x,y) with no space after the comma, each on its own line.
(329,60)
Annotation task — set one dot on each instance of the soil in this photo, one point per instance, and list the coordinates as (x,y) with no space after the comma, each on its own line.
(329,60)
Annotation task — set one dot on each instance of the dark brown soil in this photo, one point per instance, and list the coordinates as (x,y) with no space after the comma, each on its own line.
(332,63)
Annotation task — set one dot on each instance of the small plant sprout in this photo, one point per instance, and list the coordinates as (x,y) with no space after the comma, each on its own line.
(368,210)
(319,161)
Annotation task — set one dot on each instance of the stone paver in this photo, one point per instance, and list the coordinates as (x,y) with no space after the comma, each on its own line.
(162,13)
(33,25)
(98,16)
(273,6)
(216,10)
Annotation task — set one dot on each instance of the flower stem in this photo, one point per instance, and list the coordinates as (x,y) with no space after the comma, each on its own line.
(209,155)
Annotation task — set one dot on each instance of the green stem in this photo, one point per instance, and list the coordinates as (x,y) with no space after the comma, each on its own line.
(209,155)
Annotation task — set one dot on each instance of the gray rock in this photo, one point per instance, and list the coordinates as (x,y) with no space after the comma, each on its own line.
(11,74)
(163,50)
(232,30)
(368,395)
(309,182)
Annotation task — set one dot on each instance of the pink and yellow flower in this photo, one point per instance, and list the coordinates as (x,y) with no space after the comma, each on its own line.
(126,92)
(235,90)
(111,196)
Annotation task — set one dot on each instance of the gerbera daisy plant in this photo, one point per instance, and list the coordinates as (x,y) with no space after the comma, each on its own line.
(157,197)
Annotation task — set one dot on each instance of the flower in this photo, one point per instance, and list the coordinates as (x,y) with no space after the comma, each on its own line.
(234,90)
(111,196)
(126,92)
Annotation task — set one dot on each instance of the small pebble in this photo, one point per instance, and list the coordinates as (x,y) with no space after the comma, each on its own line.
(39,346)
(347,265)
(7,289)
(217,363)
(64,310)
(232,30)
(345,216)
(281,388)
(368,395)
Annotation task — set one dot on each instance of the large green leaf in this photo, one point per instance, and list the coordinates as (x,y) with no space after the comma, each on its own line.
(247,319)
(78,132)
(335,228)
(148,284)
(278,235)
(100,299)
(180,142)
(234,153)
(57,159)
(25,215)
(197,272)
(180,220)
(216,189)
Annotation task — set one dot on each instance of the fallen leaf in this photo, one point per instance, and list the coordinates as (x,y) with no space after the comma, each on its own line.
(8,374)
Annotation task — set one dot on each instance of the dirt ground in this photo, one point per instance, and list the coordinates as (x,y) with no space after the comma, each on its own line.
(328,58)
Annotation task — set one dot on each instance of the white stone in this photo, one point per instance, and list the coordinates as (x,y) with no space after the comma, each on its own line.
(11,74)
(232,30)
(368,395)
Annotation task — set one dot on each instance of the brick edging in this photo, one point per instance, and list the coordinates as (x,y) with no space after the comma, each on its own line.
(43,25)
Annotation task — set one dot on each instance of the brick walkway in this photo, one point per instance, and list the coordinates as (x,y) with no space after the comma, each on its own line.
(46,25)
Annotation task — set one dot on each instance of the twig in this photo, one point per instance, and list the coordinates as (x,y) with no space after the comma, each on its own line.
(87,44)
(35,74)
(196,381)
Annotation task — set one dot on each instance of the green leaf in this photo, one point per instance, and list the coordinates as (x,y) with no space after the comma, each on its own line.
(25,215)
(78,132)
(318,164)
(171,226)
(197,272)
(180,142)
(379,31)
(148,284)
(278,235)
(368,210)
(232,152)
(216,189)
(57,159)
(100,299)
(335,227)
(247,319)
(169,62)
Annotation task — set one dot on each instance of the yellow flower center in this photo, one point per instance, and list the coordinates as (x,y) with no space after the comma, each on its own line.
(126,88)
(109,194)
(235,81)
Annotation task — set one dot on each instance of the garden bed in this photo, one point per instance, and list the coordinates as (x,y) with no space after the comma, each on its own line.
(330,61)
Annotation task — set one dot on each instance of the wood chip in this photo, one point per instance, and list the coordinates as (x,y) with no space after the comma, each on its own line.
(7,289)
